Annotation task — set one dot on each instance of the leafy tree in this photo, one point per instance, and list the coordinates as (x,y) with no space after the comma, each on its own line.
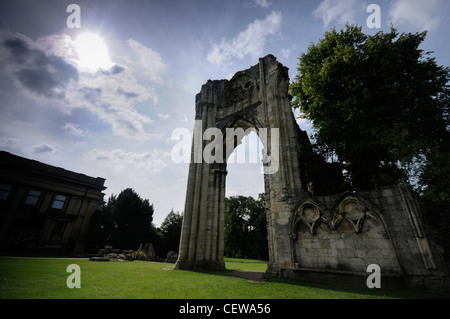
(434,176)
(171,232)
(133,220)
(101,228)
(258,235)
(246,227)
(380,106)
(124,222)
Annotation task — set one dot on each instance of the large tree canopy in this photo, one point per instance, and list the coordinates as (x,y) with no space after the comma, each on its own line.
(246,227)
(380,106)
(124,222)
(133,219)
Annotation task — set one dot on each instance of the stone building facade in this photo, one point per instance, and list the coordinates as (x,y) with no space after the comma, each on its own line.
(43,208)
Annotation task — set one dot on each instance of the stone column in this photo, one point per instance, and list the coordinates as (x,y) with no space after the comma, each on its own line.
(201,244)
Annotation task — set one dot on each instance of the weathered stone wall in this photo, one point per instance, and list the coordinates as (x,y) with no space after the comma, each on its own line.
(335,238)
(342,249)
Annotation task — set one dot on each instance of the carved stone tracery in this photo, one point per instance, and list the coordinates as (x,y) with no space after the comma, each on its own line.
(241,89)
(347,208)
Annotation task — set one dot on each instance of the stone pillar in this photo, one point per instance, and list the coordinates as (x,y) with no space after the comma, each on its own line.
(201,244)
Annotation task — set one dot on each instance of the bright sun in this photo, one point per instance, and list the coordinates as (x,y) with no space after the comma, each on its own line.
(92,52)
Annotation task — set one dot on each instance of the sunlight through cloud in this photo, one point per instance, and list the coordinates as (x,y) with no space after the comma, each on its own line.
(92,52)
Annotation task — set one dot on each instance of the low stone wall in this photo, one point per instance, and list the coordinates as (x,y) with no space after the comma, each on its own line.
(335,238)
(341,278)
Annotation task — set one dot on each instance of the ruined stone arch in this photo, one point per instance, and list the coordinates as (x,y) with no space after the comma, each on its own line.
(317,238)
(242,123)
(254,98)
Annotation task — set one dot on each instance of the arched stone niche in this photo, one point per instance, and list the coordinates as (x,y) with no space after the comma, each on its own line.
(348,237)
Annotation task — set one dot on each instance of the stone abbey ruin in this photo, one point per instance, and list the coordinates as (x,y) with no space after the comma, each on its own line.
(331,238)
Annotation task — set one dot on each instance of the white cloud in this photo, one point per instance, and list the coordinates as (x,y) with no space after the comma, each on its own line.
(119,160)
(163,116)
(244,179)
(150,173)
(418,13)
(250,42)
(286,53)
(10,143)
(146,172)
(258,3)
(60,45)
(46,71)
(73,130)
(113,99)
(341,11)
(149,60)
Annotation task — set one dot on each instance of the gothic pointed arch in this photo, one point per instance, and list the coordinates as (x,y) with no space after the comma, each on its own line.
(310,213)
(253,98)
(354,209)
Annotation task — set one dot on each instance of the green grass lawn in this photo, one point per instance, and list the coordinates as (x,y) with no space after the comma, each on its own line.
(26,278)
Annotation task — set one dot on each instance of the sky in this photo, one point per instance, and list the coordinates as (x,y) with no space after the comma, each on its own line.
(101,95)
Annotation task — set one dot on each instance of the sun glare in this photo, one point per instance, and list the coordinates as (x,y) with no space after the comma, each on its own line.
(92,52)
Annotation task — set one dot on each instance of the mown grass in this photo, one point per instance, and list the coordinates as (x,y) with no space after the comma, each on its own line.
(245,264)
(33,278)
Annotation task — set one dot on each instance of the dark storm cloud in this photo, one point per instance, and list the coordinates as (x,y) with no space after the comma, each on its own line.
(116,69)
(43,148)
(18,49)
(41,73)
(128,95)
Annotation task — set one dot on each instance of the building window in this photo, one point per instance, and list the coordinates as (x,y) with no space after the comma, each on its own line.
(5,189)
(59,228)
(58,202)
(33,197)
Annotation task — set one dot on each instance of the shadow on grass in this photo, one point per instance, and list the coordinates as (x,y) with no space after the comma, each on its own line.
(400,293)
(394,293)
